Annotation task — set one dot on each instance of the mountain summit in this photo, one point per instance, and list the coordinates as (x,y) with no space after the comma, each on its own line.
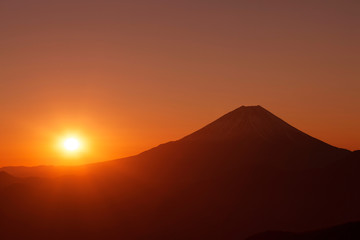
(249,123)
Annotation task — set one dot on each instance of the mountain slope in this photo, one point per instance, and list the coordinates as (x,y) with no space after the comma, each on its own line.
(245,136)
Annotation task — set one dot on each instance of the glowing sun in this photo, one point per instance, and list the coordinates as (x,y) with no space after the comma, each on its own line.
(72,144)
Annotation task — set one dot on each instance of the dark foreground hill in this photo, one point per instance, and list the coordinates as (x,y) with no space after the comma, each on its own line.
(349,231)
(244,173)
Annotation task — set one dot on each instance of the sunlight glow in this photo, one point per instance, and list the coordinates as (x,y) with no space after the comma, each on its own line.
(72,144)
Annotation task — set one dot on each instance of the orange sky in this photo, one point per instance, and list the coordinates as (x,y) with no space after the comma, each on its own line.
(129,75)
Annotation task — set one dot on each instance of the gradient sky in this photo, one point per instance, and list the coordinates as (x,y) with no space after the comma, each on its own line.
(129,75)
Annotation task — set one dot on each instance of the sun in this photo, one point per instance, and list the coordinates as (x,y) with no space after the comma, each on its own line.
(72,144)
(72,148)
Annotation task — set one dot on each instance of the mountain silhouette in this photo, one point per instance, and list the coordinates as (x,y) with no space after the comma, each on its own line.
(242,174)
(250,123)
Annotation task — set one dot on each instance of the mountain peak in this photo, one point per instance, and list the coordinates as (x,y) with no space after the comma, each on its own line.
(249,123)
(250,108)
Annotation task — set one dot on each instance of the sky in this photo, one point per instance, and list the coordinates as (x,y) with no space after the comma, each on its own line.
(125,76)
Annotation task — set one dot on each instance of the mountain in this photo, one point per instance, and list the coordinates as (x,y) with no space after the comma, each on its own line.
(253,127)
(244,173)
(249,123)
